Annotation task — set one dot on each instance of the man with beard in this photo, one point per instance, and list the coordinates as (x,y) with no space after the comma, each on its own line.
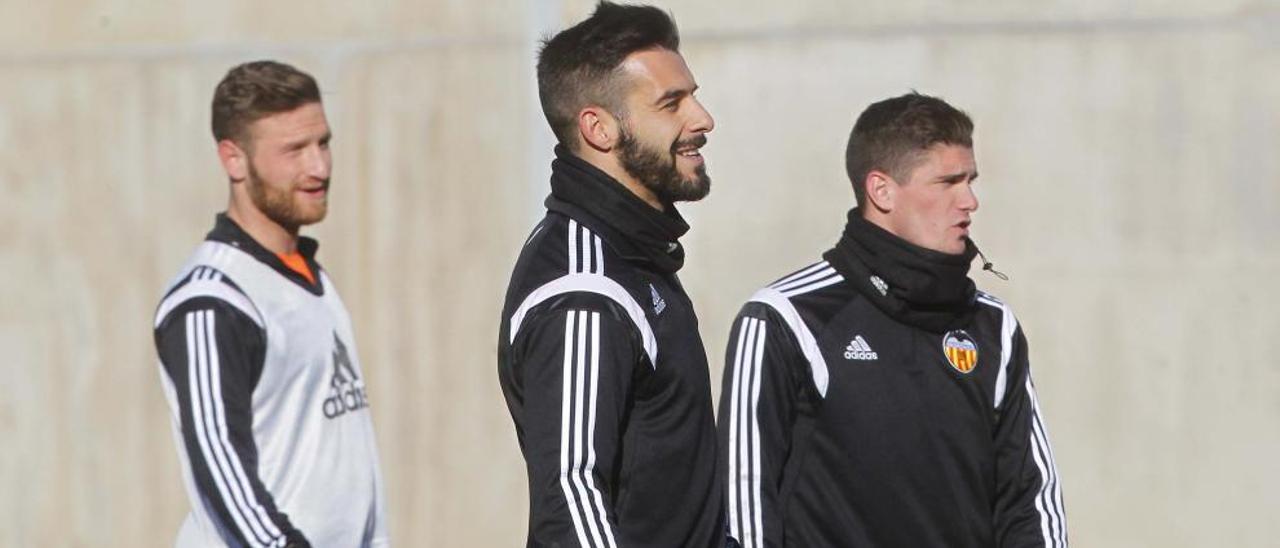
(257,357)
(876,398)
(599,356)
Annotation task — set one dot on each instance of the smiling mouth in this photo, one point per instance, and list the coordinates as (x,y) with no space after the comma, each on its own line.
(690,148)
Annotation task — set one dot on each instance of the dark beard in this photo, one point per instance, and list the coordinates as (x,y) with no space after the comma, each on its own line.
(656,170)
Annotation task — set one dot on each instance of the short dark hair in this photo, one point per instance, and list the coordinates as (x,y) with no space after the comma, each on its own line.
(892,135)
(253,90)
(579,66)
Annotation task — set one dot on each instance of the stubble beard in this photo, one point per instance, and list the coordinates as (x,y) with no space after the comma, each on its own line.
(279,205)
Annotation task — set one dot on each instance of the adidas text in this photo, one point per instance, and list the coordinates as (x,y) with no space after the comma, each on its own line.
(858,349)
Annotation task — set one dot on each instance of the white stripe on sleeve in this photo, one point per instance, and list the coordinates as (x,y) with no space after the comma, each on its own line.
(1008,325)
(578,420)
(756,466)
(208,416)
(591,423)
(220,416)
(800,273)
(1048,500)
(566,425)
(804,280)
(808,343)
(573,247)
(735,478)
(745,505)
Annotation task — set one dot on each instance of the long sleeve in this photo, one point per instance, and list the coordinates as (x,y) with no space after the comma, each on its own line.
(761,396)
(213,353)
(378,535)
(576,365)
(1028,509)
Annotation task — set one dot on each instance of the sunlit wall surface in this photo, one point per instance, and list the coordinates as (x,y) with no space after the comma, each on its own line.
(1130,188)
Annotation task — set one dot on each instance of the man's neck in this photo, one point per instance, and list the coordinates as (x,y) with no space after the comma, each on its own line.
(276,238)
(875,217)
(609,164)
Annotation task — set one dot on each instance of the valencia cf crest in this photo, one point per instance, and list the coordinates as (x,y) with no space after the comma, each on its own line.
(961,350)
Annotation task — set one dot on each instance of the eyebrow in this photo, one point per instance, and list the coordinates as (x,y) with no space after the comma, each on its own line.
(302,141)
(675,94)
(957,177)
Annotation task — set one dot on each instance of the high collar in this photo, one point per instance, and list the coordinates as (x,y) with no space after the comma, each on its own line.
(633,228)
(228,232)
(917,286)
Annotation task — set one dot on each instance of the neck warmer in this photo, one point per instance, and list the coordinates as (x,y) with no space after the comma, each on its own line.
(633,228)
(916,286)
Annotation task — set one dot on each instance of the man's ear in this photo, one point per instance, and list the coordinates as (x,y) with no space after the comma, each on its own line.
(598,128)
(881,190)
(234,160)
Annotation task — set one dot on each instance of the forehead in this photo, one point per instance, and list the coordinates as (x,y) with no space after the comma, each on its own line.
(654,72)
(945,158)
(305,121)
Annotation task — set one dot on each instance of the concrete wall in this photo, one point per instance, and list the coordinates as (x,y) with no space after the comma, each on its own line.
(1130,187)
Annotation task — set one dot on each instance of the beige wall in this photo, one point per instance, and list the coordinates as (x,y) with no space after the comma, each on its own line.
(1130,188)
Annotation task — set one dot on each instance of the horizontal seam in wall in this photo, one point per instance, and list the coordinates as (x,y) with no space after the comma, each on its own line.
(1259,23)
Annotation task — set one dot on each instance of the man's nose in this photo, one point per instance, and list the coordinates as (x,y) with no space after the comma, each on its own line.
(701,121)
(969,199)
(319,162)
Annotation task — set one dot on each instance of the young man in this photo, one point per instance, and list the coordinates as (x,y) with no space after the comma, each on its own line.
(876,398)
(257,355)
(599,355)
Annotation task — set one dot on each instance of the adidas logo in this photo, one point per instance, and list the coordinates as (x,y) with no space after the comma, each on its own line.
(346,388)
(858,349)
(658,304)
(878,282)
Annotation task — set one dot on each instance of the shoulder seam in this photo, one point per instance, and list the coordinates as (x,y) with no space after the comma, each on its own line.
(206,281)
(588,283)
(1008,326)
(987,298)
(779,301)
(808,279)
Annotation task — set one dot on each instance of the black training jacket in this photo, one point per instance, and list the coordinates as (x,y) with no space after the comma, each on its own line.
(605,375)
(847,421)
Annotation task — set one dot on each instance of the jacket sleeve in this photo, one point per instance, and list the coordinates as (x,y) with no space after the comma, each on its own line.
(763,391)
(1028,509)
(377,535)
(213,354)
(576,365)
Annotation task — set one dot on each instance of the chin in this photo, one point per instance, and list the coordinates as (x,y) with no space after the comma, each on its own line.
(697,185)
(946,248)
(696,190)
(311,217)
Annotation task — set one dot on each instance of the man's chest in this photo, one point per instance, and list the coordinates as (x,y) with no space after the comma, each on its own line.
(887,374)
(681,369)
